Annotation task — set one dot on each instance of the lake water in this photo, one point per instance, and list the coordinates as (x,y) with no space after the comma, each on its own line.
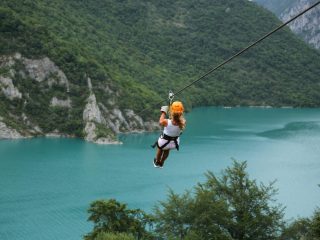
(47,185)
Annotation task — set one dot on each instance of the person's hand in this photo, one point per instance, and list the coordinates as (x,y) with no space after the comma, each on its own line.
(164,109)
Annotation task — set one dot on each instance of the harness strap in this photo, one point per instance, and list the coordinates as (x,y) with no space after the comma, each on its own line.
(169,139)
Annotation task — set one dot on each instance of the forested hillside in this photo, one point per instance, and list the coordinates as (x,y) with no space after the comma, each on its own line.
(120,57)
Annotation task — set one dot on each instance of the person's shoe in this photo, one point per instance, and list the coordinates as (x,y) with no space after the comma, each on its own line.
(155,163)
(160,165)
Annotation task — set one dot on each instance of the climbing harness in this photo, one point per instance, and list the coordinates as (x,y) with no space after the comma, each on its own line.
(169,139)
(239,53)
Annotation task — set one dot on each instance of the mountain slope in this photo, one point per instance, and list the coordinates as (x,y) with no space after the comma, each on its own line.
(120,57)
(307,26)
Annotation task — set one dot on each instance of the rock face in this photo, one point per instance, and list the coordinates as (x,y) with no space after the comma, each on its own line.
(9,90)
(101,121)
(91,111)
(55,102)
(45,69)
(97,115)
(92,117)
(126,121)
(6,80)
(308,25)
(7,132)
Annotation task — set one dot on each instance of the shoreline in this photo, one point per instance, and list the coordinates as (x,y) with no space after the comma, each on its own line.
(110,141)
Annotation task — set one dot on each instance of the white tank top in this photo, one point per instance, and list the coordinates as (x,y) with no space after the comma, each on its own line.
(171,130)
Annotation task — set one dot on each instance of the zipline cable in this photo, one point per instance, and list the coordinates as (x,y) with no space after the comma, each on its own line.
(238,54)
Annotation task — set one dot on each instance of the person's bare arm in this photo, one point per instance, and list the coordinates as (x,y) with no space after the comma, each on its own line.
(163,121)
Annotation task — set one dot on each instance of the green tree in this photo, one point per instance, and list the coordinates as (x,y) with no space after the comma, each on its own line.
(227,207)
(110,216)
(297,230)
(114,236)
(303,228)
(172,217)
(315,225)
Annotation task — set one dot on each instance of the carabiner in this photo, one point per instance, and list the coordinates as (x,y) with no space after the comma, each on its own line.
(171,96)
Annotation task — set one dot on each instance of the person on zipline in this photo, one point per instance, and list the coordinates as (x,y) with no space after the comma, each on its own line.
(173,127)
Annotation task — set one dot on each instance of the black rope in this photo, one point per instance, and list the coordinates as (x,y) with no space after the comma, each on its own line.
(240,52)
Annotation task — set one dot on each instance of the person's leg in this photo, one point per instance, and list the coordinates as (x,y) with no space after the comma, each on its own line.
(164,156)
(159,156)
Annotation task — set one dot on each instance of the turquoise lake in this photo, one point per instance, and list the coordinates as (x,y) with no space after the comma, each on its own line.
(47,184)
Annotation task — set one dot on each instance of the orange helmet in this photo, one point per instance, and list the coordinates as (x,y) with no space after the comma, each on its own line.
(176,107)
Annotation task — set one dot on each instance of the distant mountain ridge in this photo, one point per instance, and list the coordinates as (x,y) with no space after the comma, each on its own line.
(307,26)
(87,68)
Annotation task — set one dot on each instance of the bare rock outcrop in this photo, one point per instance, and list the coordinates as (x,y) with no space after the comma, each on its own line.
(55,102)
(8,89)
(308,25)
(102,121)
(45,69)
(7,132)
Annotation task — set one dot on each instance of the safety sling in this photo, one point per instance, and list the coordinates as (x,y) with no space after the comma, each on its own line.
(169,139)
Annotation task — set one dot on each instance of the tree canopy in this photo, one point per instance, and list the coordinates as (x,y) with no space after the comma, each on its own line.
(228,206)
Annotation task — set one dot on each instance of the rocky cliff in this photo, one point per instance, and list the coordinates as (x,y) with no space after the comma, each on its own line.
(308,25)
(28,84)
